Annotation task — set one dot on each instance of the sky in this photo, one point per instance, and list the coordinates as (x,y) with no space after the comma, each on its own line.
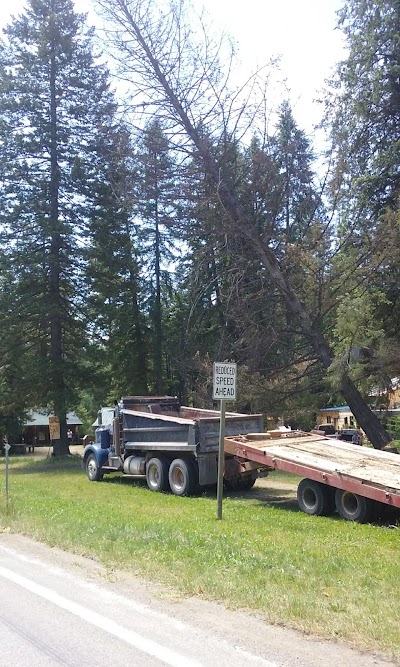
(301,32)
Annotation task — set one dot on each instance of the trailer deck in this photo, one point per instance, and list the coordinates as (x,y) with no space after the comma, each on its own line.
(361,470)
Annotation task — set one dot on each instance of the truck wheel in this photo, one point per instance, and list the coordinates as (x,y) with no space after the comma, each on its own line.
(240,484)
(353,507)
(183,477)
(157,474)
(247,483)
(315,498)
(93,470)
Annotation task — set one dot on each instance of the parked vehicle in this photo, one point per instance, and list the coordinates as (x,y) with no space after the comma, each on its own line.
(350,435)
(326,429)
(174,447)
(357,482)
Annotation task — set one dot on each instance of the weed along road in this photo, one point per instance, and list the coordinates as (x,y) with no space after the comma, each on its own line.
(61,609)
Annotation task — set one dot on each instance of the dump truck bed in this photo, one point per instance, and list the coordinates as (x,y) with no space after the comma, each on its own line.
(190,428)
(362,470)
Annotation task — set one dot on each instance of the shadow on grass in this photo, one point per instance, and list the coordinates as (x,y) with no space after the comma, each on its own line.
(385,516)
(269,497)
(284,498)
(119,478)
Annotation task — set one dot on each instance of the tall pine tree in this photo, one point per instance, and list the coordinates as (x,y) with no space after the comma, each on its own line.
(156,212)
(365,112)
(54,101)
(116,291)
(364,118)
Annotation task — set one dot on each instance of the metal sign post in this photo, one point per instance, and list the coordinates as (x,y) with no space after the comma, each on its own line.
(7,447)
(224,389)
(221,461)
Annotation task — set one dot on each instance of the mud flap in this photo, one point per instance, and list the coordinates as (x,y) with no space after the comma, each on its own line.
(208,469)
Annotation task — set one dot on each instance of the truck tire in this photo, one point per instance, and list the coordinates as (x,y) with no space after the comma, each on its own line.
(93,470)
(240,484)
(315,498)
(353,507)
(157,474)
(183,477)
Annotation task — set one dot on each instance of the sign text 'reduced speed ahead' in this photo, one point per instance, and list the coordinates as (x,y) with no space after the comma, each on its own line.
(224,384)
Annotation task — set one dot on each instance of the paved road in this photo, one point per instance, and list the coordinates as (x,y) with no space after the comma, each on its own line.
(61,609)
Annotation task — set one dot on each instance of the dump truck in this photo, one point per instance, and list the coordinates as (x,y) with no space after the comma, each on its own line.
(175,448)
(360,483)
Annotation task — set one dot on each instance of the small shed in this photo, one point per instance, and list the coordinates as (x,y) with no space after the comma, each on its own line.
(36,428)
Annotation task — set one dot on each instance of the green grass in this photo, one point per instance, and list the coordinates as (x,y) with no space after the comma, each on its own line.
(320,575)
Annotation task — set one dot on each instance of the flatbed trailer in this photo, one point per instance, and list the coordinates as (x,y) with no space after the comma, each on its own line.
(356,481)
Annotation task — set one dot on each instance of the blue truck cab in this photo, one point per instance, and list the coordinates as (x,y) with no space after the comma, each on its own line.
(95,455)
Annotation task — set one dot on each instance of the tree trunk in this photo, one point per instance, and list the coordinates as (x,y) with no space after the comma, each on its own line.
(367,419)
(141,376)
(158,337)
(56,347)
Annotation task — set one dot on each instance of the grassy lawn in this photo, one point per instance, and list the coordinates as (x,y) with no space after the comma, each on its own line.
(319,575)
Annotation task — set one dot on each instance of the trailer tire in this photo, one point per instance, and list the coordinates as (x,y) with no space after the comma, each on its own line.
(183,477)
(157,474)
(93,469)
(353,507)
(315,498)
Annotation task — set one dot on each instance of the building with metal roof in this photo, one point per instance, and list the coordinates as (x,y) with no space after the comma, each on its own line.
(36,431)
(105,417)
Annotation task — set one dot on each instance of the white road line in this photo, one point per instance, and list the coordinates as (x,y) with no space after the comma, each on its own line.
(148,646)
(99,592)
(132,604)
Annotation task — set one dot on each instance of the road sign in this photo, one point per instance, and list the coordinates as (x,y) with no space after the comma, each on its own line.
(224,384)
(7,447)
(224,389)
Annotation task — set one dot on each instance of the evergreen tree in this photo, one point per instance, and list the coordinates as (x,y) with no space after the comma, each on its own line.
(228,307)
(14,389)
(116,292)
(298,197)
(302,234)
(366,110)
(364,119)
(54,100)
(156,211)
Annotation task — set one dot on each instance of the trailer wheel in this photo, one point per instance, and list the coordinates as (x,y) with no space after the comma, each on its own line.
(93,470)
(157,474)
(315,498)
(353,507)
(183,477)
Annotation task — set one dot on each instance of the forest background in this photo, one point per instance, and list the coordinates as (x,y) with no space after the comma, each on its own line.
(177,217)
